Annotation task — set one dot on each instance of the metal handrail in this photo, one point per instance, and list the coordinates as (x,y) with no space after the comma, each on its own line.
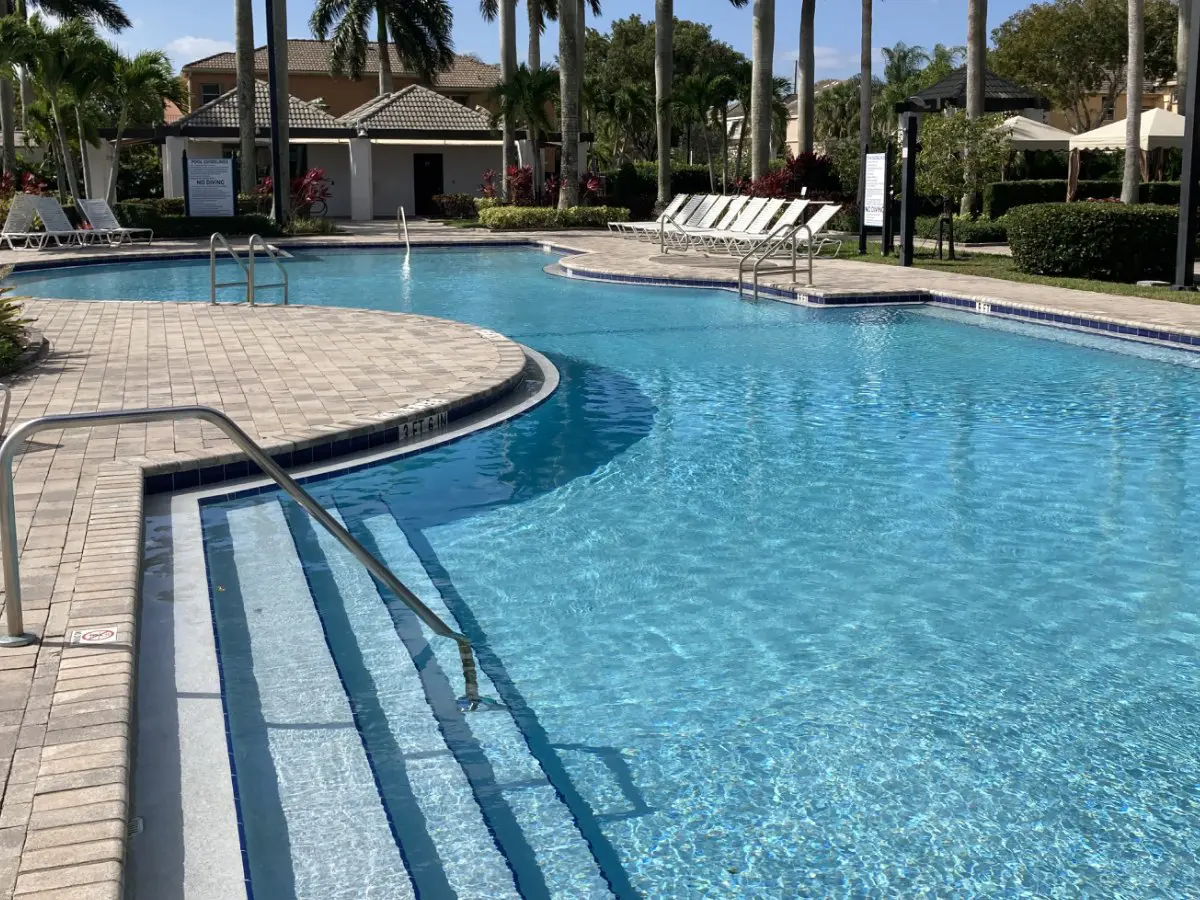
(16,636)
(768,246)
(4,388)
(218,238)
(402,222)
(251,287)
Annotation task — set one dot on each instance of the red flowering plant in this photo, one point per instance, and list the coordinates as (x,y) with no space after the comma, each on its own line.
(306,189)
(520,185)
(550,190)
(488,188)
(32,184)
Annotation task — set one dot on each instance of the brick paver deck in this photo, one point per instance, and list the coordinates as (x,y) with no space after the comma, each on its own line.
(287,375)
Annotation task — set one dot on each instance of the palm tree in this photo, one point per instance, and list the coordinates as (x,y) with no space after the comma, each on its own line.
(806,101)
(724,91)
(107,13)
(865,84)
(505,11)
(244,42)
(570,68)
(628,111)
(538,12)
(95,65)
(903,62)
(762,59)
(691,101)
(523,100)
(1181,49)
(13,52)
(281,168)
(1136,73)
(140,86)
(420,31)
(976,74)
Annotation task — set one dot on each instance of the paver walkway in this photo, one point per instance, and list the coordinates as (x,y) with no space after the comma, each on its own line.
(287,375)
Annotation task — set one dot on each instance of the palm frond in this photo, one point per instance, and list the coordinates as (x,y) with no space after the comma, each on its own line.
(100,12)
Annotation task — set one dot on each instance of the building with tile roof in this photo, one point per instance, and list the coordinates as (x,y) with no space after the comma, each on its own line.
(468,81)
(420,109)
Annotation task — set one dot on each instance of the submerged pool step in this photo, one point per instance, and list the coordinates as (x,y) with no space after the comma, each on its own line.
(312,819)
(506,777)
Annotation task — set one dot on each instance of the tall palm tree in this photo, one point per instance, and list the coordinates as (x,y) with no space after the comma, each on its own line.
(94,69)
(506,12)
(1136,74)
(281,167)
(523,100)
(140,86)
(690,103)
(569,71)
(420,31)
(976,74)
(538,12)
(243,21)
(724,91)
(1181,49)
(762,58)
(806,101)
(107,13)
(13,53)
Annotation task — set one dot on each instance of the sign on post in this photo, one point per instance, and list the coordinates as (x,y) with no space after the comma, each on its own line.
(875,192)
(210,187)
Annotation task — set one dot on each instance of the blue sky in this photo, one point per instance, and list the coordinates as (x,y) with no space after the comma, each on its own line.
(191,30)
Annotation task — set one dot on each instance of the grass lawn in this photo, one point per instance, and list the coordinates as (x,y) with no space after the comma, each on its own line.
(992,265)
(459,223)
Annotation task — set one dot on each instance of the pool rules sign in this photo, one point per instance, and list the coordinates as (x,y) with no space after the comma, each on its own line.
(209,188)
(875,191)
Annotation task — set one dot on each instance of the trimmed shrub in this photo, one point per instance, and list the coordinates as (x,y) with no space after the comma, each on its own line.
(482,203)
(966,231)
(544,218)
(1001,196)
(145,214)
(1105,241)
(455,206)
(13,326)
(304,225)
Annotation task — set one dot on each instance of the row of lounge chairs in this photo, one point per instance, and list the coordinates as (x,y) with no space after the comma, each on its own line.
(716,223)
(19,234)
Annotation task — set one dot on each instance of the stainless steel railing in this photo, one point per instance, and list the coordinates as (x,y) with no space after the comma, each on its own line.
(16,636)
(402,228)
(247,267)
(768,246)
(273,253)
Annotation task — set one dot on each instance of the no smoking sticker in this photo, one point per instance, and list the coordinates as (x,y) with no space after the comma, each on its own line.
(94,636)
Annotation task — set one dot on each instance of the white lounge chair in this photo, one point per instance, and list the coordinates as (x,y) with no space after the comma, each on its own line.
(676,204)
(757,225)
(693,211)
(18,224)
(58,226)
(683,237)
(814,228)
(742,242)
(102,219)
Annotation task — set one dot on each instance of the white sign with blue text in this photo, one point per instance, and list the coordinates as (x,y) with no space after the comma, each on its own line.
(875,190)
(210,187)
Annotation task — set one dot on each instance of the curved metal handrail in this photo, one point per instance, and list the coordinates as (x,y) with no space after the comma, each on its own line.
(257,241)
(218,238)
(17,637)
(769,245)
(402,222)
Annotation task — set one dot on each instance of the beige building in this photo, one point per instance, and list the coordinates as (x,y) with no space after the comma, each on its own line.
(1158,97)
(468,82)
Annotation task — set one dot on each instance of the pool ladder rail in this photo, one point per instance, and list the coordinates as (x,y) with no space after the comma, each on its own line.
(16,635)
(275,254)
(402,228)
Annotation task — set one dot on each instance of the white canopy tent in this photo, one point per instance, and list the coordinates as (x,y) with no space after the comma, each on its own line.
(1161,128)
(1030,134)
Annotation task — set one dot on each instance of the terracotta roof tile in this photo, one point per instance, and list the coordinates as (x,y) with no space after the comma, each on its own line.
(222,112)
(467,72)
(418,108)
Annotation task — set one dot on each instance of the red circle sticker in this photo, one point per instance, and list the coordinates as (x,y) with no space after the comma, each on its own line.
(97,637)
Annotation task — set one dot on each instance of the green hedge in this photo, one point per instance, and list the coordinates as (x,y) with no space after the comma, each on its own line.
(1001,196)
(635,185)
(1104,241)
(545,218)
(148,214)
(455,206)
(966,231)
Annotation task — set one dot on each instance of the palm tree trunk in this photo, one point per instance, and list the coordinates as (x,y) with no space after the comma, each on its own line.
(580,43)
(866,85)
(65,148)
(737,166)
(1181,50)
(712,168)
(763,49)
(806,101)
(568,52)
(534,60)
(87,178)
(21,8)
(664,62)
(8,110)
(111,194)
(385,56)
(976,79)
(1133,106)
(508,66)
(724,147)
(248,149)
(283,163)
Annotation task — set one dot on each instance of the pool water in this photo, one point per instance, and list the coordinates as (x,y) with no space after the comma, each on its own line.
(772,602)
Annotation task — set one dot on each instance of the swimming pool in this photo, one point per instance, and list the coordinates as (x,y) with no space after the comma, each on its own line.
(774,602)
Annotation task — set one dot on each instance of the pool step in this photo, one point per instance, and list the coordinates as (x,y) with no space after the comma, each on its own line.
(298,753)
(563,864)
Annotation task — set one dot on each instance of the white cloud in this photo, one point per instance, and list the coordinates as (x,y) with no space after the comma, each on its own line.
(831,62)
(188,49)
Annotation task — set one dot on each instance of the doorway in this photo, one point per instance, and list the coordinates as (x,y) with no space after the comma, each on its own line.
(427,182)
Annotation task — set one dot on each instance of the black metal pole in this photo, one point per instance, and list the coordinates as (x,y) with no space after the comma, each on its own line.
(278,179)
(889,236)
(187,197)
(1185,247)
(862,199)
(908,203)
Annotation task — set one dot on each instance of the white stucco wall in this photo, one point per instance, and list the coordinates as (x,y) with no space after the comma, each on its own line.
(392,169)
(335,160)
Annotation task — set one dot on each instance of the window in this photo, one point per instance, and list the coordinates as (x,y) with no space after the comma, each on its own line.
(209,93)
(462,99)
